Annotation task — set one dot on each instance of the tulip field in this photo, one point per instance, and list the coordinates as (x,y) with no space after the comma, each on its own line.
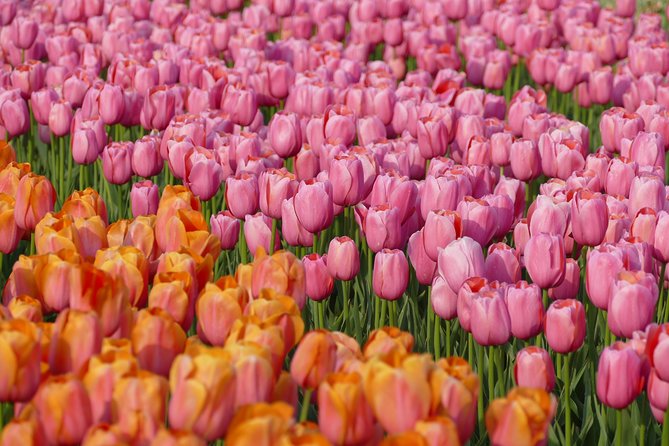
(334,222)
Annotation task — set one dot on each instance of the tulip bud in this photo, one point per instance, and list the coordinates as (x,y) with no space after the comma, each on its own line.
(35,197)
(319,282)
(620,376)
(631,302)
(565,325)
(545,273)
(144,198)
(314,359)
(344,258)
(285,134)
(526,309)
(391,274)
(534,368)
(226,227)
(156,340)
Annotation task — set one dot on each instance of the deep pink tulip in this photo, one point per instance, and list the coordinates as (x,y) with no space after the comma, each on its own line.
(526,309)
(391,274)
(7,12)
(146,159)
(383,228)
(319,282)
(158,109)
(502,264)
(313,205)
(632,300)
(117,162)
(479,220)
(225,226)
(565,325)
(568,289)
(545,259)
(658,392)
(258,233)
(460,260)
(424,266)
(589,218)
(285,134)
(241,194)
(347,176)
(534,368)
(144,198)
(275,185)
(620,376)
(441,228)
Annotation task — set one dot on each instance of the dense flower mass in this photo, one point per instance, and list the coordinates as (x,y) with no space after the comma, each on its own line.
(334,222)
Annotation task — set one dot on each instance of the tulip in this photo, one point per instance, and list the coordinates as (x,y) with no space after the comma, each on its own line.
(319,284)
(314,359)
(293,232)
(632,300)
(281,272)
(460,260)
(275,185)
(602,266)
(387,340)
(568,289)
(206,378)
(242,195)
(441,228)
(390,274)
(112,104)
(479,220)
(26,308)
(382,228)
(522,418)
(646,191)
(424,266)
(117,162)
(432,135)
(64,409)
(314,206)
(534,368)
(565,325)
(525,160)
(144,198)
(490,320)
(35,197)
(344,258)
(156,340)
(158,108)
(11,233)
(146,159)
(226,227)
(620,376)
(69,351)
(258,233)
(346,174)
(589,217)
(547,273)
(285,134)
(21,374)
(203,174)
(525,308)
(656,349)
(217,308)
(502,264)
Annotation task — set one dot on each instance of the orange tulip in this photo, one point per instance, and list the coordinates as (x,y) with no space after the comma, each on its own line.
(181,192)
(128,265)
(285,390)
(35,197)
(85,204)
(276,309)
(438,431)
(24,430)
(281,272)
(70,350)
(398,391)
(270,337)
(24,278)
(202,388)
(181,262)
(343,413)
(116,345)
(304,434)
(314,358)
(10,176)
(521,418)
(25,307)
(455,390)
(139,405)
(64,409)
(138,233)
(410,438)
(217,309)
(104,434)
(171,292)
(348,349)
(45,342)
(104,371)
(168,209)
(20,353)
(172,437)
(55,232)
(386,340)
(244,277)
(92,235)
(259,424)
(59,280)
(254,363)
(10,233)
(103,294)
(156,340)
(7,154)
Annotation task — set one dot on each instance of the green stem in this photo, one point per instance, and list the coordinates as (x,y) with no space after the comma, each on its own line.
(448,339)
(437,336)
(567,398)
(479,369)
(619,427)
(306,402)
(321,314)
(491,373)
(392,312)
(665,429)
(271,241)
(242,243)
(314,247)
(384,310)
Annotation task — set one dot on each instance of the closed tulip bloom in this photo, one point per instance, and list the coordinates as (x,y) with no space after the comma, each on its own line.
(35,197)
(217,308)
(658,392)
(285,134)
(64,409)
(500,148)
(281,272)
(339,125)
(631,302)
(460,260)
(444,300)
(479,220)
(156,340)
(172,292)
(146,159)
(60,118)
(203,174)
(391,274)
(313,205)
(314,359)
(443,193)
(11,233)
(399,393)
(545,259)
(319,282)
(159,108)
(617,124)
(534,368)
(625,8)
(432,135)
(647,190)
(656,350)
(600,85)
(620,376)
(646,149)
(205,378)
(619,178)
(568,289)
(69,351)
(525,160)
(603,265)
(424,266)
(526,309)
(344,258)
(521,418)
(292,230)
(589,218)
(660,240)
(383,228)
(117,162)
(242,195)
(565,325)
(226,227)
(346,174)
(21,356)
(144,198)
(490,320)
(26,308)
(643,225)
(14,113)
(441,228)
(502,264)
(112,104)
(258,233)
(275,185)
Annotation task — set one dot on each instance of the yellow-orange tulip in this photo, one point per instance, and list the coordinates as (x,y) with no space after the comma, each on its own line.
(253,364)
(168,209)
(26,307)
(139,405)
(7,154)
(181,192)
(260,424)
(139,233)
(180,262)
(35,197)
(55,232)
(281,272)
(398,391)
(280,310)
(20,354)
(60,279)
(204,244)
(10,176)
(45,341)
(23,278)
(386,340)
(438,431)
(116,345)
(10,233)
(303,436)
(315,357)
(171,292)
(455,389)
(156,340)
(409,438)
(77,336)
(24,430)
(244,277)
(92,235)
(173,437)
(251,329)
(104,371)
(344,416)
(520,419)
(128,265)
(85,204)
(217,309)
(64,409)
(104,434)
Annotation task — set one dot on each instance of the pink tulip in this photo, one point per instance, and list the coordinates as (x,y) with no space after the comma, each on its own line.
(545,259)
(313,205)
(391,274)
(589,218)
(479,220)
(565,325)
(258,233)
(460,260)
(490,320)
(241,195)
(293,232)
(319,281)
(568,289)
(632,302)
(534,368)
(344,259)
(144,197)
(285,134)
(526,309)
(424,266)
(620,376)
(441,228)
(117,162)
